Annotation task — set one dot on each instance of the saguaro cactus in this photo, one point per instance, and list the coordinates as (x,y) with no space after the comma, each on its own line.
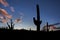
(37,21)
(11,26)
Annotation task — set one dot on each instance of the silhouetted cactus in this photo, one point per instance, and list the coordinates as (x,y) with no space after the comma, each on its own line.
(47,26)
(11,26)
(37,21)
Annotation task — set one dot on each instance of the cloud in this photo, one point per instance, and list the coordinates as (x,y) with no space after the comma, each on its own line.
(21,15)
(6,4)
(3,2)
(5,16)
(4,20)
(18,20)
(12,9)
(1,17)
(4,12)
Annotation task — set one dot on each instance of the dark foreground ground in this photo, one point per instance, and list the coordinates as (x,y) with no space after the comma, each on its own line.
(24,34)
(15,30)
(23,30)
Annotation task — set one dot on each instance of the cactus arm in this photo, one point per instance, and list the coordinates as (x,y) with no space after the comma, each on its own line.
(35,21)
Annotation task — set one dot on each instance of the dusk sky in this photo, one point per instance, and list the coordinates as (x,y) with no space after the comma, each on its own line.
(25,10)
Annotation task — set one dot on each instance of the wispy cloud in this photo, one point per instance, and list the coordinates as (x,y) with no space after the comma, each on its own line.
(4,12)
(3,2)
(6,4)
(12,9)
(1,17)
(18,20)
(4,20)
(21,15)
(5,16)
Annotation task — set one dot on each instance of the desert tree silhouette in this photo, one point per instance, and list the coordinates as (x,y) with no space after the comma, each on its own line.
(37,21)
(11,26)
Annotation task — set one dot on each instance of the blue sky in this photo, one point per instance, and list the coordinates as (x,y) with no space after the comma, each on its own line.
(49,10)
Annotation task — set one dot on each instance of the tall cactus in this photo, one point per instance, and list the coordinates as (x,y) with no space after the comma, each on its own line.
(37,21)
(11,26)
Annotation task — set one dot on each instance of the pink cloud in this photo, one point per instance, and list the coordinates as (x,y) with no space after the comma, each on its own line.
(6,4)
(1,17)
(3,2)
(4,12)
(4,20)
(18,20)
